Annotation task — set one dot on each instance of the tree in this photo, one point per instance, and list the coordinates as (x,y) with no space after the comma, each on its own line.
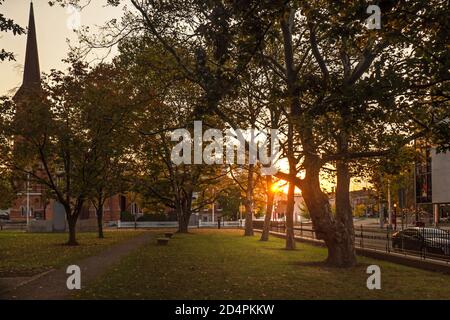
(347,93)
(8,25)
(397,171)
(175,185)
(109,112)
(269,208)
(338,118)
(170,105)
(229,201)
(54,141)
(47,149)
(7,194)
(304,212)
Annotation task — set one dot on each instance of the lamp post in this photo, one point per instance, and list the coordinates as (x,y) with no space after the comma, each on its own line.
(389,203)
(212,206)
(395,216)
(28,201)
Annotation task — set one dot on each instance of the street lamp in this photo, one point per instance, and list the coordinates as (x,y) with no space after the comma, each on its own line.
(212,205)
(395,216)
(28,201)
(389,203)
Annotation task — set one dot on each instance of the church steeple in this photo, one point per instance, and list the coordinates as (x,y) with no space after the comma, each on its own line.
(32,73)
(31,83)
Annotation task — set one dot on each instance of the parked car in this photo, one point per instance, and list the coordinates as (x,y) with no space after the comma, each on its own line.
(431,240)
(4,215)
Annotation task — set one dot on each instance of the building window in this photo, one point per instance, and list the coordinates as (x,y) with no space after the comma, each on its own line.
(444,212)
(135,208)
(423,174)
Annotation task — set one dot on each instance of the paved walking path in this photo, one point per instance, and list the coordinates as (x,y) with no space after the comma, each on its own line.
(52,285)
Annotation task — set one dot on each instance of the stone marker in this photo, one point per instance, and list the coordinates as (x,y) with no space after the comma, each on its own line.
(59,217)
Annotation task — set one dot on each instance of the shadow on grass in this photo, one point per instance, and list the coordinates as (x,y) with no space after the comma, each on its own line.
(324,265)
(191,233)
(283,249)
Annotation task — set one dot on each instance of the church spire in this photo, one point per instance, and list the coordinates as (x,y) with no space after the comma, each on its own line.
(32,74)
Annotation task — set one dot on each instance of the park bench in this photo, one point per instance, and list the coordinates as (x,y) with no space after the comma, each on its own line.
(162,241)
(168,235)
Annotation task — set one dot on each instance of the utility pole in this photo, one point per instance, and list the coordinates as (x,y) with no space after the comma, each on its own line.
(395,216)
(389,204)
(416,214)
(381,211)
(28,201)
(380,205)
(212,206)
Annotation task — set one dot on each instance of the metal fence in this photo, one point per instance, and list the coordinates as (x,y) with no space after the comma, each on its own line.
(10,225)
(425,242)
(224,224)
(174,224)
(147,224)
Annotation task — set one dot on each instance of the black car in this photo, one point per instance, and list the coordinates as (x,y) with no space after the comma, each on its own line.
(431,240)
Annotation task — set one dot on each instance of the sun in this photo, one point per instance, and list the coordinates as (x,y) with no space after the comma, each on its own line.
(275,188)
(281,187)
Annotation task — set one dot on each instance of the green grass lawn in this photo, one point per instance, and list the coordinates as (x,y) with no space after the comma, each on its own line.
(213,264)
(24,254)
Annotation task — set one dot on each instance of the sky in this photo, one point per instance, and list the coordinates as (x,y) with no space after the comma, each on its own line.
(52,27)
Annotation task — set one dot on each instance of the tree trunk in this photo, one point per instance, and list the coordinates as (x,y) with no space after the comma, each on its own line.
(290,239)
(318,204)
(336,236)
(183,221)
(185,209)
(344,254)
(269,210)
(100,221)
(249,203)
(337,233)
(249,220)
(72,221)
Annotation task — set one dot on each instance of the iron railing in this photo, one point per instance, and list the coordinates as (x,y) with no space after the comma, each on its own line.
(425,242)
